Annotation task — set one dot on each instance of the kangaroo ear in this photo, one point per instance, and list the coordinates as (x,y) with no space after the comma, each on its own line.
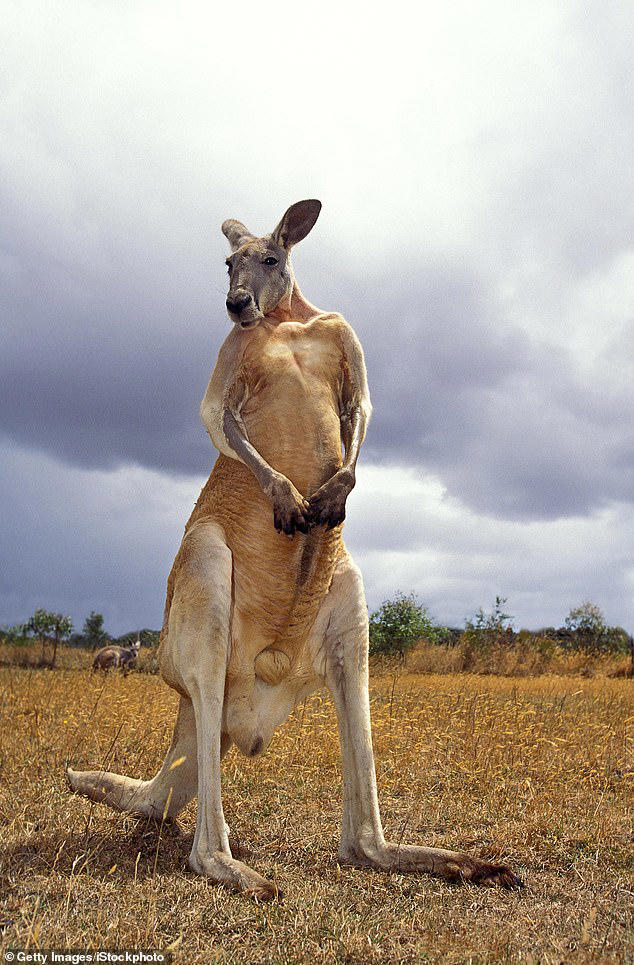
(235,233)
(296,223)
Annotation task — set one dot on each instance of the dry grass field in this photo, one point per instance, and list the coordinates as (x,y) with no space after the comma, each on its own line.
(536,771)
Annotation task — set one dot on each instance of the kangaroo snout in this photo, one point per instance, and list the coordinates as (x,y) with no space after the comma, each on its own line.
(238,302)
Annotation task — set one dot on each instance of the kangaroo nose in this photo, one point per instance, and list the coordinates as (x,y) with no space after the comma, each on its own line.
(236,303)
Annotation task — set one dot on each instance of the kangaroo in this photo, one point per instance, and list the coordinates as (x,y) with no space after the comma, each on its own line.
(264,603)
(114,656)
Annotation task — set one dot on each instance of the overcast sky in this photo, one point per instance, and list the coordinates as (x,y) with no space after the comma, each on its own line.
(475,166)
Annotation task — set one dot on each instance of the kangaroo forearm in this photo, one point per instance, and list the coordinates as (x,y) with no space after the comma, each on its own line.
(328,504)
(353,433)
(289,506)
(249,455)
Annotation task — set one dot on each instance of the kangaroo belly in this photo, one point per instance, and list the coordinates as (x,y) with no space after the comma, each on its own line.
(278,583)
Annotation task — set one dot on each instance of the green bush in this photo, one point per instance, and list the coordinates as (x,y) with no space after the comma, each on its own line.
(589,631)
(50,628)
(16,636)
(93,633)
(399,624)
(484,630)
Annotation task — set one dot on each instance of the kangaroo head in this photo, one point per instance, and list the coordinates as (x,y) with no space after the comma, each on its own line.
(260,273)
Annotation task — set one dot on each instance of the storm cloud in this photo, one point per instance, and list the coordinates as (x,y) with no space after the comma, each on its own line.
(476,231)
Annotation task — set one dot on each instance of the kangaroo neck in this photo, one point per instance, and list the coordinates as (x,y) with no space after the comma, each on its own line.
(295,308)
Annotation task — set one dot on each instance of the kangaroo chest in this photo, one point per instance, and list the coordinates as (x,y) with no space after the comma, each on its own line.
(291,411)
(295,353)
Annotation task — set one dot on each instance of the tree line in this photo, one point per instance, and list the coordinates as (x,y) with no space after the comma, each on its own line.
(399,624)
(395,628)
(51,629)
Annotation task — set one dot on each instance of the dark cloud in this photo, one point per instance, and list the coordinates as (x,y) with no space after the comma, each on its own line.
(115,375)
(81,539)
(478,239)
(76,540)
(111,259)
(458,560)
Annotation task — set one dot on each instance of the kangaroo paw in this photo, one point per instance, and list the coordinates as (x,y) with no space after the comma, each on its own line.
(225,870)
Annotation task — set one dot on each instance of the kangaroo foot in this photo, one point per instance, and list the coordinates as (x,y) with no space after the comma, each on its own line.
(451,865)
(225,870)
(118,792)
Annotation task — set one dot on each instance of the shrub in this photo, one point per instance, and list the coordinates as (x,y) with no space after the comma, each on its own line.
(586,624)
(148,638)
(94,634)
(485,629)
(399,624)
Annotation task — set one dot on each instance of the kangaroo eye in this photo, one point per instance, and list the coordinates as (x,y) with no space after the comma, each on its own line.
(270,260)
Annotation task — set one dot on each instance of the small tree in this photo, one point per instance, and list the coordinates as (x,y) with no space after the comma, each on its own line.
(46,626)
(399,624)
(15,635)
(484,629)
(592,633)
(586,619)
(94,632)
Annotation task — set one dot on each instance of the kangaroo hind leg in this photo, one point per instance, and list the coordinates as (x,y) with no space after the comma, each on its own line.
(173,787)
(362,840)
(194,656)
(199,633)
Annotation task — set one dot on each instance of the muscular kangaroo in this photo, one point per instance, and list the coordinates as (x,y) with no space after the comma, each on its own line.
(264,603)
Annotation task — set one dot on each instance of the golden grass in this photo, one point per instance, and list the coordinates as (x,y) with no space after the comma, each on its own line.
(523,658)
(535,771)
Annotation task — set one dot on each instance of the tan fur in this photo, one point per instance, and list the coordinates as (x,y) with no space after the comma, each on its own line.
(256,618)
(288,373)
(113,656)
